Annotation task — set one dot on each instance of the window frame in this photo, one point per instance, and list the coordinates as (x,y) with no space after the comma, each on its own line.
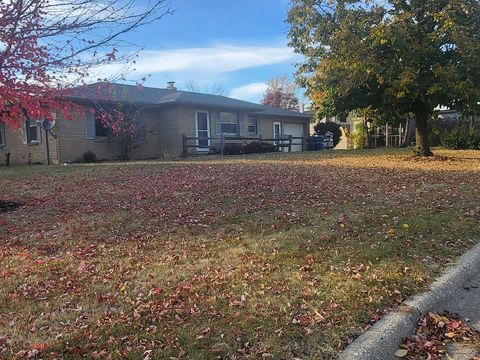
(92,123)
(228,132)
(230,123)
(99,125)
(2,135)
(29,124)
(254,125)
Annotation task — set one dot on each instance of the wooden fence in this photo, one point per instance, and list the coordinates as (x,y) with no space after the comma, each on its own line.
(217,144)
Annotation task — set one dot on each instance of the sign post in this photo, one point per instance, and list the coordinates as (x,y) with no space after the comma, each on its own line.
(48,147)
(48,126)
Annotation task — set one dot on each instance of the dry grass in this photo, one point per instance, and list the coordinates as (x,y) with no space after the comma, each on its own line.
(277,256)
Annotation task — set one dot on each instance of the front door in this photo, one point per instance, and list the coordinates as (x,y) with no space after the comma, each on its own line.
(202,125)
(277,131)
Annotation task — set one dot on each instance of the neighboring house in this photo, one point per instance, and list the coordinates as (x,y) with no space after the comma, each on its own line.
(453,116)
(165,115)
(344,124)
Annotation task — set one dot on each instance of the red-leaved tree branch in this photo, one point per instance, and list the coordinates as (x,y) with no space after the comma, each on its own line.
(49,46)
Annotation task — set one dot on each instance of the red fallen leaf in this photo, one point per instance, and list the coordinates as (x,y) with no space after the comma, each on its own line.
(453,325)
(306,320)
(100,299)
(155,291)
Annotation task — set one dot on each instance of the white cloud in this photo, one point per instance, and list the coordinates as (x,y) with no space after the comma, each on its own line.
(249,92)
(214,60)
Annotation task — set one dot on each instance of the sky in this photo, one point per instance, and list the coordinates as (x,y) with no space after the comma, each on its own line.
(235,44)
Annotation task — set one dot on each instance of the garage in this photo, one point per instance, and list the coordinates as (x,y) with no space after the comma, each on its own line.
(296,130)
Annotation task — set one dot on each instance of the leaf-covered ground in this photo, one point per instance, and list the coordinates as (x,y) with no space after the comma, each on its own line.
(434,333)
(278,256)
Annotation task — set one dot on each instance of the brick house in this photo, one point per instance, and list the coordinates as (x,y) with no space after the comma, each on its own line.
(164,114)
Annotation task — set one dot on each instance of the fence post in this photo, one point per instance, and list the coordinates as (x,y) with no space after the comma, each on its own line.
(184,145)
(289,143)
(400,133)
(387,136)
(222,144)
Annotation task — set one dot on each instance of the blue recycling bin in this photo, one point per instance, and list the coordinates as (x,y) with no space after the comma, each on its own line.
(319,140)
(315,143)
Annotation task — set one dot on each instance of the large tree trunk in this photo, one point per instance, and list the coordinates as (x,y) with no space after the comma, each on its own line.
(423,142)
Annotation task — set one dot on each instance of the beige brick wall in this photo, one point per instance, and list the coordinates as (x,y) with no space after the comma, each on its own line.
(170,136)
(163,129)
(147,146)
(73,142)
(186,122)
(22,153)
(266,124)
(161,138)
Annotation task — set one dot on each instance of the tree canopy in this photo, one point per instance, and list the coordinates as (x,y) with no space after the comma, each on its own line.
(280,93)
(49,46)
(215,89)
(392,56)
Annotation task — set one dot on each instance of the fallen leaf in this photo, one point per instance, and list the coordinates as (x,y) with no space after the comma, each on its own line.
(401,353)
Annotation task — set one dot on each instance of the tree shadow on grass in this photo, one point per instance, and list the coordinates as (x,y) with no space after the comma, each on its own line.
(6,206)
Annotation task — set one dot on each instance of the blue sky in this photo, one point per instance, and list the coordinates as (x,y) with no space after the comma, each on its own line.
(238,45)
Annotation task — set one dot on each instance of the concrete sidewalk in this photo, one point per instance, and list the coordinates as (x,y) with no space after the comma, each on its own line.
(456,291)
(467,305)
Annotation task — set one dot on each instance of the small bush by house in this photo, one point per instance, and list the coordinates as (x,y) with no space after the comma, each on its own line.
(255,147)
(258,147)
(89,157)
(322,128)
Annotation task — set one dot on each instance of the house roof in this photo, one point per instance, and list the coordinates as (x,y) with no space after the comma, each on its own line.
(149,96)
(273,111)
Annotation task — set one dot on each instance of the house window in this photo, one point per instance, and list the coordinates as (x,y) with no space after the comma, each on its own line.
(100,130)
(2,135)
(94,125)
(33,131)
(228,123)
(252,124)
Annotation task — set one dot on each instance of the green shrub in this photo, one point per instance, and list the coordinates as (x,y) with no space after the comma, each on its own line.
(89,157)
(462,138)
(258,147)
(255,147)
(358,136)
(233,149)
(321,128)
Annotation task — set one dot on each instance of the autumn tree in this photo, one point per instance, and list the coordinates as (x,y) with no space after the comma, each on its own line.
(120,115)
(49,46)
(215,89)
(280,93)
(397,56)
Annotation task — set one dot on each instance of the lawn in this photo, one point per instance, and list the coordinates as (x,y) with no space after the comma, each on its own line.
(271,256)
